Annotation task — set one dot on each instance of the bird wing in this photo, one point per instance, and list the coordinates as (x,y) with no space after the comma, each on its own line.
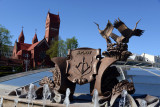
(138,32)
(109,28)
(122,28)
(114,37)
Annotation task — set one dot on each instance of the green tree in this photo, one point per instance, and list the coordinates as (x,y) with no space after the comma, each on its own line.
(4,38)
(71,43)
(53,50)
(60,48)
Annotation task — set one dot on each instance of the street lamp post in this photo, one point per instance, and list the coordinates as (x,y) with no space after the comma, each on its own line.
(26,61)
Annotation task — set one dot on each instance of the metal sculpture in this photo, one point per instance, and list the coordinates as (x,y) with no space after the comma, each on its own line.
(85,65)
(119,50)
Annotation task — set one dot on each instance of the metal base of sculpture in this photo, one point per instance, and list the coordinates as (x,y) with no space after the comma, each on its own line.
(117,51)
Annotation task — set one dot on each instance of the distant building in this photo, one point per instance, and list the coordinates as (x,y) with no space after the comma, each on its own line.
(35,54)
(154,60)
(136,57)
(7,54)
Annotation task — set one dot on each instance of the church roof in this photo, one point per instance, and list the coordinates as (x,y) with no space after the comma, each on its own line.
(33,45)
(23,46)
(28,47)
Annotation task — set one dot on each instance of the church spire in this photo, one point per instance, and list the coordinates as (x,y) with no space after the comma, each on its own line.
(21,37)
(35,39)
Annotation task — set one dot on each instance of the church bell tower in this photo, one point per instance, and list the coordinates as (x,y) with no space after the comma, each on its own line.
(52,27)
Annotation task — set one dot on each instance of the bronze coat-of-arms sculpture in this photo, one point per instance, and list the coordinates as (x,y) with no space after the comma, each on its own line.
(86,65)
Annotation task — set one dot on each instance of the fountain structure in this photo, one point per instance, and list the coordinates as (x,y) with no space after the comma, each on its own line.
(66,100)
(46,93)
(1,102)
(86,65)
(95,98)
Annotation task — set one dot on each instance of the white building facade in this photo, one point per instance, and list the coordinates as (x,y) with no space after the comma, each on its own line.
(154,60)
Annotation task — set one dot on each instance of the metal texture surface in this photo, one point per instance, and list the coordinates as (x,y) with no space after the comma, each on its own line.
(105,63)
(123,85)
(59,76)
(82,65)
(47,80)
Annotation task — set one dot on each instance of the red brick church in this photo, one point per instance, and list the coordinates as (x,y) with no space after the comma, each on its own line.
(35,53)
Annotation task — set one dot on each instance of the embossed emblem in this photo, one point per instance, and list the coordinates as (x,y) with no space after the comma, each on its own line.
(82,65)
(82,69)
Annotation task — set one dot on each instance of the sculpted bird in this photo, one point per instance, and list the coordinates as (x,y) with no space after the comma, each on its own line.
(125,31)
(116,38)
(107,31)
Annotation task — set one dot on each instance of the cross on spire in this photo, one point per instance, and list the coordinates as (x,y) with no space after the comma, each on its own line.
(22,27)
(35,30)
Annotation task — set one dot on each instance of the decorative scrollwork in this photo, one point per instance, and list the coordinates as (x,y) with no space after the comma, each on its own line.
(123,85)
(57,78)
(48,81)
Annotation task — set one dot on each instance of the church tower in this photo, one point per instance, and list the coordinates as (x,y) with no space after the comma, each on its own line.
(52,27)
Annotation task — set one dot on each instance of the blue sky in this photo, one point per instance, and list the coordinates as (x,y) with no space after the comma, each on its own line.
(77,17)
